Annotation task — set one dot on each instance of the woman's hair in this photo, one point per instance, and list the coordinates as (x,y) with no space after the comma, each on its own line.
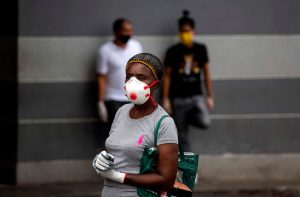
(186,20)
(149,60)
(117,26)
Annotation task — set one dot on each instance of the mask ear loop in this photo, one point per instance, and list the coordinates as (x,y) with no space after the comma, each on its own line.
(148,95)
(152,99)
(152,84)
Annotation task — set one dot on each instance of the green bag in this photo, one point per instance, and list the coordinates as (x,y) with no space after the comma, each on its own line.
(187,165)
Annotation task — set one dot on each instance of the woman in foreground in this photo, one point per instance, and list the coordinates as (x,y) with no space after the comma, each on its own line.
(133,130)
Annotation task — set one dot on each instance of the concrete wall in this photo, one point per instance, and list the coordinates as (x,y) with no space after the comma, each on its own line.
(254,50)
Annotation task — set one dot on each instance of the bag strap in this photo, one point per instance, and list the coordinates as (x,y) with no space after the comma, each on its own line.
(157,129)
(181,153)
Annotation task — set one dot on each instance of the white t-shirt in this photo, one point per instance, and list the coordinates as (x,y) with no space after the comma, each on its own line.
(112,61)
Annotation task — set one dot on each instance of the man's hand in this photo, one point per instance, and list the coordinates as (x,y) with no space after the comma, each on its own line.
(167,105)
(210,102)
(102,111)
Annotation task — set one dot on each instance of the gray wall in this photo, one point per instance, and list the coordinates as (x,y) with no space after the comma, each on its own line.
(93,17)
(254,50)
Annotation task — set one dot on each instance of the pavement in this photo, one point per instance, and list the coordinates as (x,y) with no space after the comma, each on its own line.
(93,189)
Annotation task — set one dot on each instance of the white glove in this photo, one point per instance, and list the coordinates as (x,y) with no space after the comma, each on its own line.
(103,161)
(114,175)
(102,111)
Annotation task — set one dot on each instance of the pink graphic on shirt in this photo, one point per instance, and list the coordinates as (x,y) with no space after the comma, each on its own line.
(140,140)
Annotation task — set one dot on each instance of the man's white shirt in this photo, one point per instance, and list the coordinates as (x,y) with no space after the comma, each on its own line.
(112,61)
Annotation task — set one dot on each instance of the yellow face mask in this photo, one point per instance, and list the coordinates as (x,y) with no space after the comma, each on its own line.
(186,38)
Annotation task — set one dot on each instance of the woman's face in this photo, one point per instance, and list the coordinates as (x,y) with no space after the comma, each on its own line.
(139,71)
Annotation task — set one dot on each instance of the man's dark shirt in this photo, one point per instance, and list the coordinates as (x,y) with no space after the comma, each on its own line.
(187,67)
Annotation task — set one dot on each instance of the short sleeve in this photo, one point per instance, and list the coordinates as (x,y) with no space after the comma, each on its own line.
(102,67)
(168,132)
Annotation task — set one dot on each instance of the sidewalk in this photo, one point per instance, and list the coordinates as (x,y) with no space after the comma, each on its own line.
(93,190)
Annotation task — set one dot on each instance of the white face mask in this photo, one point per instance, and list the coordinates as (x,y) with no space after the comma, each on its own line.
(137,91)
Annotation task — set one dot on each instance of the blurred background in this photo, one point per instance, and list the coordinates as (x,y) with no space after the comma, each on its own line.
(49,125)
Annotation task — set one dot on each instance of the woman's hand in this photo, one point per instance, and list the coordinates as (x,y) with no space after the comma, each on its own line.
(103,161)
(113,175)
(102,164)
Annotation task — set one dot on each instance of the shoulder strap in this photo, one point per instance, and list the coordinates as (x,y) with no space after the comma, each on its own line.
(157,128)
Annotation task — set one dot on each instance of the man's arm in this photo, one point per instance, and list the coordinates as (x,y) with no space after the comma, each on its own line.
(166,89)
(101,86)
(101,94)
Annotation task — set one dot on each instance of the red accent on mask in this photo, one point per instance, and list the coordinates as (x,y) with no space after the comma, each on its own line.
(133,96)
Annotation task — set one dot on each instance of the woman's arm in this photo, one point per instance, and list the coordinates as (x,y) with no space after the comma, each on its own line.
(165,176)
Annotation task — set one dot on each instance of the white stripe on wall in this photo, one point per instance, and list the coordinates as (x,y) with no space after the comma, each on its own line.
(72,59)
